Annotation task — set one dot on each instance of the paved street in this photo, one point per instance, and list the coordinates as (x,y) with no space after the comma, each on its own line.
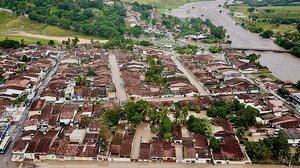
(118,81)
(191,78)
(17,129)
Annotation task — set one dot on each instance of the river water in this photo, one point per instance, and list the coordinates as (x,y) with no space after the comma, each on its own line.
(283,65)
(93,164)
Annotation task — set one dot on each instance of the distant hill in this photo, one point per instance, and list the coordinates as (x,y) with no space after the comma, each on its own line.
(89,17)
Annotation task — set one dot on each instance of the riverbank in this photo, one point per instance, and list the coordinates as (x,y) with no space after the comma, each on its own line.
(283,65)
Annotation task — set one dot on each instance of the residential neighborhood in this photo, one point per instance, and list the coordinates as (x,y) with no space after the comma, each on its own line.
(162,89)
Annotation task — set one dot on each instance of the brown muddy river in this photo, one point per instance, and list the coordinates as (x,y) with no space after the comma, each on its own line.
(93,164)
(283,65)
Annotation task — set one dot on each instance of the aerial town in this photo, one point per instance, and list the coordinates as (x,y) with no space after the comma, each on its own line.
(198,100)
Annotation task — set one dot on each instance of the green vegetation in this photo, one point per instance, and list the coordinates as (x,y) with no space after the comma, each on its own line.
(2,79)
(164,4)
(235,111)
(136,111)
(91,72)
(199,125)
(187,49)
(279,19)
(267,34)
(143,9)
(155,72)
(270,2)
(298,85)
(269,150)
(119,42)
(290,41)
(215,49)
(186,26)
(145,43)
(253,57)
(7,43)
(110,118)
(283,91)
(216,31)
(135,31)
(214,144)
(19,100)
(10,23)
(89,17)
(26,40)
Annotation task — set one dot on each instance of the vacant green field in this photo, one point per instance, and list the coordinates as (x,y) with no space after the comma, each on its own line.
(288,11)
(165,4)
(27,40)
(10,23)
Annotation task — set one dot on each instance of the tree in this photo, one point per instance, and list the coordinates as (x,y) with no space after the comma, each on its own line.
(111,117)
(176,115)
(283,91)
(2,79)
(267,34)
(136,111)
(253,57)
(51,42)
(153,21)
(91,72)
(214,144)
(199,125)
(298,85)
(7,43)
(25,58)
(165,128)
(251,9)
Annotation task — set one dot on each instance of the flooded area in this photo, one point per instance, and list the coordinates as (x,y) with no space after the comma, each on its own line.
(283,65)
(92,164)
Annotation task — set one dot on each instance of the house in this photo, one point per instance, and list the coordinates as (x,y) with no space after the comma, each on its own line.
(36,107)
(68,113)
(126,146)
(31,125)
(77,136)
(156,150)
(94,125)
(177,134)
(189,152)
(227,75)
(292,135)
(203,153)
(295,99)
(19,150)
(287,121)
(230,150)
(116,143)
(145,152)
(169,153)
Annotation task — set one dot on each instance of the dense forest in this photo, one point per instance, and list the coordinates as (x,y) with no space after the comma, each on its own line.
(90,17)
(271,2)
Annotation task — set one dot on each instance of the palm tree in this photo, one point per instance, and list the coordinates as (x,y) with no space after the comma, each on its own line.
(177,115)
(184,114)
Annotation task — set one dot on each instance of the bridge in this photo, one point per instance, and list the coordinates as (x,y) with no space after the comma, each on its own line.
(261,49)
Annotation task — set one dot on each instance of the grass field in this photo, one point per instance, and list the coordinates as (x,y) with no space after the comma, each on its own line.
(276,10)
(11,23)
(165,4)
(27,40)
